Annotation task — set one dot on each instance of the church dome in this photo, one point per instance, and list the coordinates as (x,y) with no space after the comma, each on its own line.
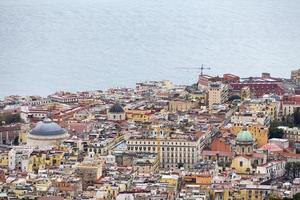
(116,108)
(47,128)
(244,136)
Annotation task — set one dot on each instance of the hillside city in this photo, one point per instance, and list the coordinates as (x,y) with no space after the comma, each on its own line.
(222,138)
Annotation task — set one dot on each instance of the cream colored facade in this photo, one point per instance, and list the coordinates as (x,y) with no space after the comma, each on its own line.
(217,94)
(43,141)
(89,173)
(270,108)
(181,105)
(242,165)
(173,152)
(289,109)
(116,116)
(245,93)
(138,115)
(295,76)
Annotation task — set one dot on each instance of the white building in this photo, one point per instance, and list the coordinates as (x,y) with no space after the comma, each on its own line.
(282,143)
(291,134)
(271,170)
(18,158)
(288,108)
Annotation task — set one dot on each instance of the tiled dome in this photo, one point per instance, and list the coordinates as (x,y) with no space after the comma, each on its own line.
(116,108)
(47,128)
(244,136)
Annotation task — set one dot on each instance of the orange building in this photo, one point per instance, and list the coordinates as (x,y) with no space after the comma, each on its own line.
(220,144)
(200,179)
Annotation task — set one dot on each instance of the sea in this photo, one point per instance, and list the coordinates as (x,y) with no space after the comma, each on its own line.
(76,45)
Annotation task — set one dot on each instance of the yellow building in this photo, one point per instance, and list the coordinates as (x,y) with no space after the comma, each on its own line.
(23,134)
(259,133)
(242,165)
(202,97)
(217,94)
(249,192)
(44,160)
(270,108)
(138,115)
(198,179)
(4,159)
(169,179)
(113,190)
(43,185)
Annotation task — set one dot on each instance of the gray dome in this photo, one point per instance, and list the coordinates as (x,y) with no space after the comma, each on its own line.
(47,128)
(116,108)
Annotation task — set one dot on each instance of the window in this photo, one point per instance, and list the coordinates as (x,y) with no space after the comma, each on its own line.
(241,163)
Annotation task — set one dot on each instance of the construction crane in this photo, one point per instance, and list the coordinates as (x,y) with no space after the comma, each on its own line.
(196,68)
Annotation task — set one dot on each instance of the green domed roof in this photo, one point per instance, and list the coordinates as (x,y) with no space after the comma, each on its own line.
(244,136)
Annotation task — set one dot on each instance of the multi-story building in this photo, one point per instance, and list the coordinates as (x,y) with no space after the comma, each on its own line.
(245,93)
(271,170)
(39,101)
(292,134)
(290,104)
(64,97)
(10,134)
(174,151)
(204,81)
(230,78)
(138,115)
(251,118)
(89,173)
(246,192)
(18,158)
(217,94)
(259,88)
(181,105)
(295,76)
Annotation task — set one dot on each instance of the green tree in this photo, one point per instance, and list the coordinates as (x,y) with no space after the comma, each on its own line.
(16,141)
(275,132)
(297,196)
(234,97)
(10,118)
(296,117)
(292,170)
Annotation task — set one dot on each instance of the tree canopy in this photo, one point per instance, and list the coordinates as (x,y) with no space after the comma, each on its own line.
(10,118)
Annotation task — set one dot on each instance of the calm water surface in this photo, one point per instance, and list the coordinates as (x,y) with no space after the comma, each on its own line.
(50,45)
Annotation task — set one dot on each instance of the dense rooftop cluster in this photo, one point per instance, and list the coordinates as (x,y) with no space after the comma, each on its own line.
(222,138)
